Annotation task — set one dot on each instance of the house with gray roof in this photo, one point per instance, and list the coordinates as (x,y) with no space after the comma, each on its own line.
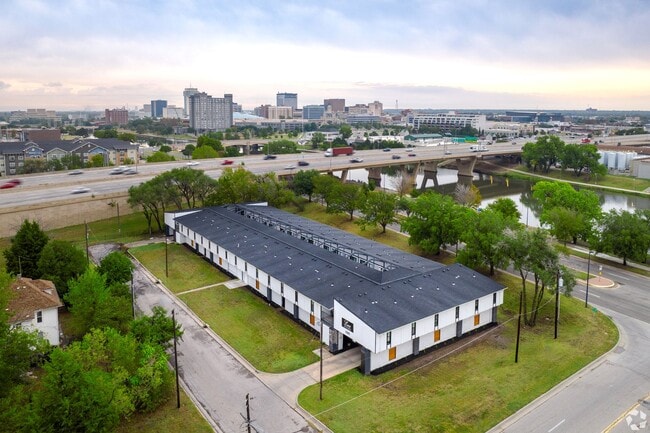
(393,304)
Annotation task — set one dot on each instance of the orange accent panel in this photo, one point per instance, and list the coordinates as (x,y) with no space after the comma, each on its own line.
(392,353)
(257,284)
(312,319)
(436,335)
(220,262)
(477,319)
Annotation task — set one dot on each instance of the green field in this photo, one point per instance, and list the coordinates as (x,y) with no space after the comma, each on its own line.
(268,339)
(470,390)
(186,270)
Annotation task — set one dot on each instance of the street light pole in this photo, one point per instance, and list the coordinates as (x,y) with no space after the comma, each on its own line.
(557,303)
(588,276)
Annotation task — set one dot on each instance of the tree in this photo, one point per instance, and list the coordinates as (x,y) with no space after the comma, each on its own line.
(160,157)
(232,151)
(116,267)
(625,234)
(506,207)
(345,131)
(106,133)
(531,253)
(155,329)
(93,305)
(467,195)
(544,153)
(317,140)
(580,157)
(204,152)
(209,141)
(346,198)
(324,188)
(403,182)
(435,221)
(96,160)
(483,238)
(233,186)
(282,147)
(61,262)
(165,148)
(303,182)
(25,250)
(583,206)
(127,136)
(379,208)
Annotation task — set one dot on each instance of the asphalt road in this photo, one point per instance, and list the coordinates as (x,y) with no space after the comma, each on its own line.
(217,378)
(601,396)
(40,188)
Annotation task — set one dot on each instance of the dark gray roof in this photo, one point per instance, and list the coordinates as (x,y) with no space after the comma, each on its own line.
(408,288)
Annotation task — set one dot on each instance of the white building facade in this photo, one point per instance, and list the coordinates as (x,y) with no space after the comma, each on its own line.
(393,304)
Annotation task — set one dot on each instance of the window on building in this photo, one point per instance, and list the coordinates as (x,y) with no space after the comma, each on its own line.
(435,321)
(457,313)
(389,335)
(494,298)
(311,306)
(476,306)
(413,329)
(39,317)
(296,296)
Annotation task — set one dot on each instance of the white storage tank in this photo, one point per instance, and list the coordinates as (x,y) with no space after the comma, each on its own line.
(621,161)
(603,158)
(611,160)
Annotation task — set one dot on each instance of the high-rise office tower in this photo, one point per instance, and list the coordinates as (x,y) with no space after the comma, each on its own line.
(210,114)
(287,100)
(189,91)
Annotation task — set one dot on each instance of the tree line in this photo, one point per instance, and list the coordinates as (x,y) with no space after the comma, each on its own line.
(115,365)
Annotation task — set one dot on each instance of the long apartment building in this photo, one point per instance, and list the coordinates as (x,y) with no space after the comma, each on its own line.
(393,304)
(447,121)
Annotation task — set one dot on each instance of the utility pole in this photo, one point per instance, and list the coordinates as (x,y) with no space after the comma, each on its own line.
(521,300)
(557,303)
(132,296)
(588,269)
(87,249)
(166,258)
(321,353)
(178,392)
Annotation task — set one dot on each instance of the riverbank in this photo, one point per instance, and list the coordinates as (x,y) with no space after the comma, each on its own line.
(640,187)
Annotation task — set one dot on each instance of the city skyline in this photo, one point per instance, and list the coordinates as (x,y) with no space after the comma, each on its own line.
(473,54)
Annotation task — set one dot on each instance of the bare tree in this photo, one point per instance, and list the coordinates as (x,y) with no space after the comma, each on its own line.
(403,182)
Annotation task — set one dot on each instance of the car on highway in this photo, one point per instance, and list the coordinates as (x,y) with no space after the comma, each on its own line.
(357,159)
(80,190)
(118,170)
(75,172)
(269,156)
(386,149)
(11,184)
(303,163)
(396,156)
(192,163)
(290,167)
(412,154)
(227,162)
(130,171)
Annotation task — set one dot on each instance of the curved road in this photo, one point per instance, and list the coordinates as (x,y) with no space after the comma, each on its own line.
(602,396)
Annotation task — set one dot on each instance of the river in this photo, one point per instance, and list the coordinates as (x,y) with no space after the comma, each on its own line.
(495,187)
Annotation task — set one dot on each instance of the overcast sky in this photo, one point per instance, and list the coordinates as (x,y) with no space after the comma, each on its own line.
(471,54)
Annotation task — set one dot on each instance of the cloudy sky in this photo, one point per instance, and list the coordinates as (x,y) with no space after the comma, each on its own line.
(473,54)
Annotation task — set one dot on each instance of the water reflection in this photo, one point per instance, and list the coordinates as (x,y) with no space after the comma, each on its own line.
(495,187)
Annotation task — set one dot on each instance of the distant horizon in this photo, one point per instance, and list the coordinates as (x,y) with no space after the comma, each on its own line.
(85,55)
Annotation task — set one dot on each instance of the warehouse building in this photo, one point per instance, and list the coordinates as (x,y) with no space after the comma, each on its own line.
(393,304)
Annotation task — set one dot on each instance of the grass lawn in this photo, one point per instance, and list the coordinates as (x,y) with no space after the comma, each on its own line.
(626,182)
(167,418)
(186,270)
(473,389)
(268,339)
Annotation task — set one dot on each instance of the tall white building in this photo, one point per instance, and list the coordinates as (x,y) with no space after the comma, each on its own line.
(210,114)
(189,91)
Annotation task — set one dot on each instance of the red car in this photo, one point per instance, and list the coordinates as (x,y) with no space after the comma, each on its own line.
(227,162)
(10,184)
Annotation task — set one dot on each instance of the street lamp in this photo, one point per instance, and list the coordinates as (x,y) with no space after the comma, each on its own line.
(557,302)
